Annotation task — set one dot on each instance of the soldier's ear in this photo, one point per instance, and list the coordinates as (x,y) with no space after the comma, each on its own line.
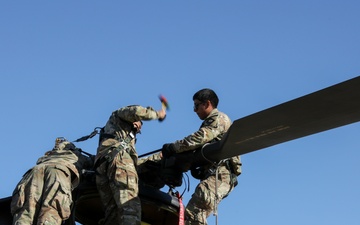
(208,104)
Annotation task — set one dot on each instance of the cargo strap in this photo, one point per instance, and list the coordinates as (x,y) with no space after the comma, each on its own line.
(181,209)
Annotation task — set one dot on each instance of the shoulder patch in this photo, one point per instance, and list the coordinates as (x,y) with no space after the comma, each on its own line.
(208,121)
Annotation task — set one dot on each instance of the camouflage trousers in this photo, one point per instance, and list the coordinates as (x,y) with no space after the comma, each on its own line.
(204,200)
(117,183)
(42,197)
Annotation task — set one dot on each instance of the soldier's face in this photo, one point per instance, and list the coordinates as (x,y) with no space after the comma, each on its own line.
(200,109)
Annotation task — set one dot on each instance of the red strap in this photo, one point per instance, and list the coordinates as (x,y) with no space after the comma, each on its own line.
(181,212)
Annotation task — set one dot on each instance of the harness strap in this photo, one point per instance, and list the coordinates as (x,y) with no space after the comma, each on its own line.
(124,143)
(216,196)
(232,185)
(91,135)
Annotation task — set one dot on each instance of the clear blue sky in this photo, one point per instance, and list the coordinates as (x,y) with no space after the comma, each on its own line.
(66,65)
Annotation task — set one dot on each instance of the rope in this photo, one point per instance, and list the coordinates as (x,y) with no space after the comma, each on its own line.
(84,138)
(202,153)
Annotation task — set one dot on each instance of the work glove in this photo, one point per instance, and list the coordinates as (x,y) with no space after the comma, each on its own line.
(198,173)
(168,150)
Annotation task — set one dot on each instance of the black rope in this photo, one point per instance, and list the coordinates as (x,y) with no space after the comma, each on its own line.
(186,184)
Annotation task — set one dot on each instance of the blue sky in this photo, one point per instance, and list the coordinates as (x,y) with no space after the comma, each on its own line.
(66,65)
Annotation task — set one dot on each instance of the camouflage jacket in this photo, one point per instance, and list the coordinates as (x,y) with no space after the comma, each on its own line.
(212,129)
(67,159)
(120,124)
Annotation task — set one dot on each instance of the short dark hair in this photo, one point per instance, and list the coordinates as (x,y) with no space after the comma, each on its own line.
(207,94)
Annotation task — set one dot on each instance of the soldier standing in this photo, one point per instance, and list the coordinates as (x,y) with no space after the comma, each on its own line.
(116,159)
(215,124)
(44,194)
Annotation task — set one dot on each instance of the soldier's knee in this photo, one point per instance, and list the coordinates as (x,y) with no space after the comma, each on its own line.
(130,220)
(51,220)
(194,216)
(193,222)
(131,214)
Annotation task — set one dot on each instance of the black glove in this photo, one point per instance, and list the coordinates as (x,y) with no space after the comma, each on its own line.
(198,173)
(168,150)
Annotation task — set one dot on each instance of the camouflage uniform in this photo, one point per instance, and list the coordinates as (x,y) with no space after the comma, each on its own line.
(204,199)
(116,176)
(43,196)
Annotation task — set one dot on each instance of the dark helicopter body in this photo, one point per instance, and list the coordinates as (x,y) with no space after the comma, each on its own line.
(329,108)
(158,207)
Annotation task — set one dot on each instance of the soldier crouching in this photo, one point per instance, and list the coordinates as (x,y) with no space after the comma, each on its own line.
(44,194)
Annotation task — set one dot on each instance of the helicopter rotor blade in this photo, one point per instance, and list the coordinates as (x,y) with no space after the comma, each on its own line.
(329,108)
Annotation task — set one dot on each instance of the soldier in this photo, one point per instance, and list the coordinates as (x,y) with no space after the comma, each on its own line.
(116,159)
(44,194)
(215,124)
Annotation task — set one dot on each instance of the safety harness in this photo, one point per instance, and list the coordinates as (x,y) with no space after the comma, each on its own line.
(123,146)
(214,170)
(124,143)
